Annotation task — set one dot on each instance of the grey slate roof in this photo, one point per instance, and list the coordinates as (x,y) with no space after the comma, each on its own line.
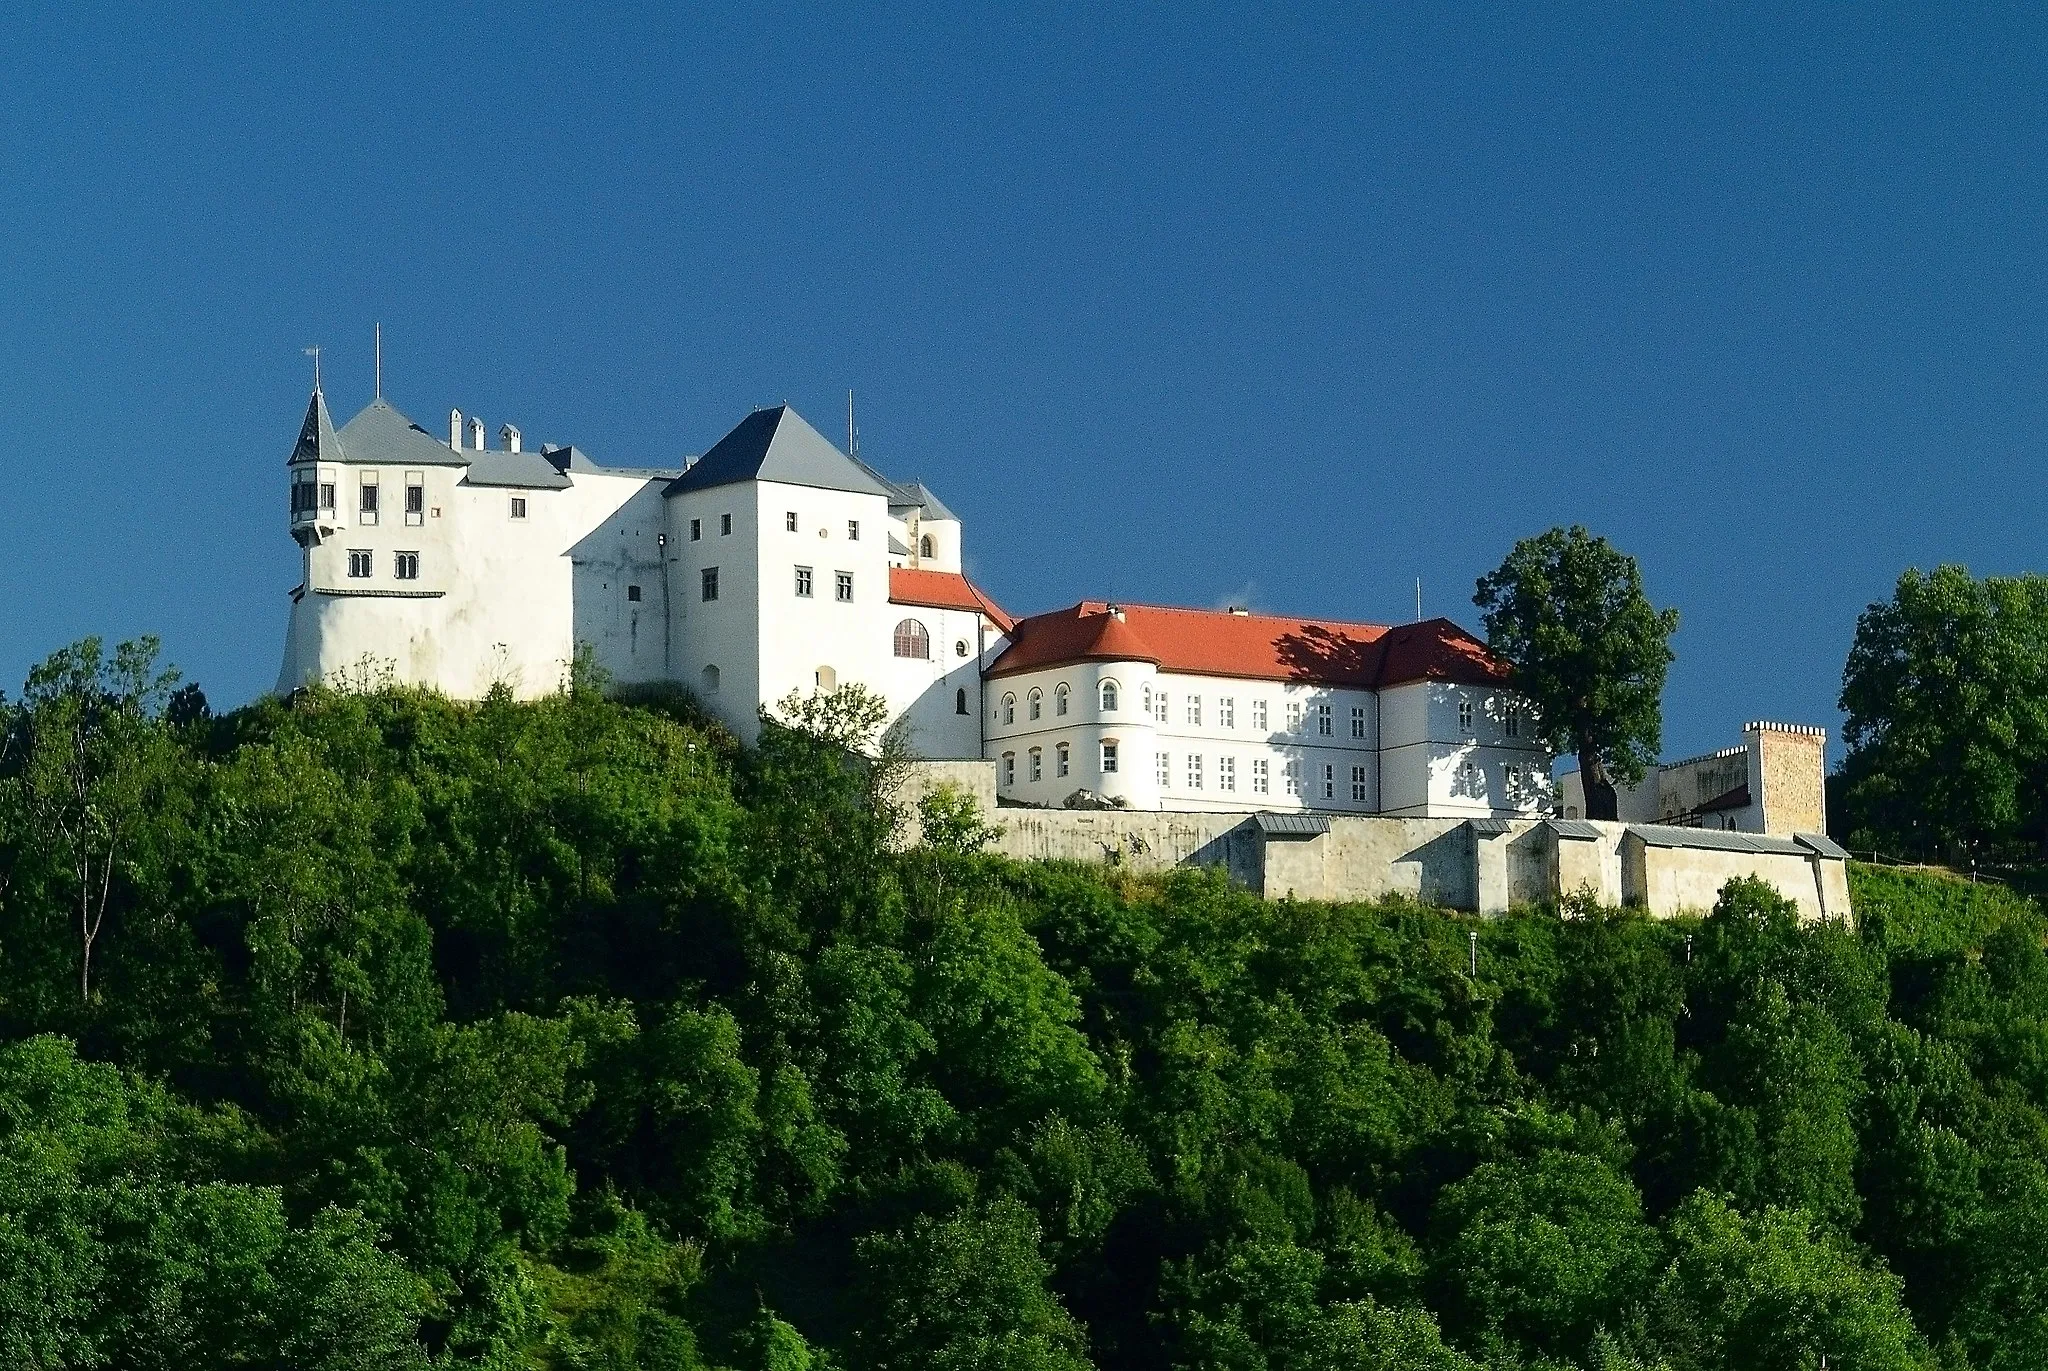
(317,441)
(1715,839)
(1823,844)
(573,459)
(777,445)
(1578,829)
(1292,825)
(1490,828)
(525,470)
(380,436)
(905,494)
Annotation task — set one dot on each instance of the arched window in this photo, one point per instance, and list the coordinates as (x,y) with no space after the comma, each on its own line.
(1059,699)
(1034,699)
(1009,709)
(924,546)
(960,647)
(913,641)
(960,700)
(710,678)
(1109,697)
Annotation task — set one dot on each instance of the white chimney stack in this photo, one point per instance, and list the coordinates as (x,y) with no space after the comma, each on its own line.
(476,434)
(455,429)
(509,436)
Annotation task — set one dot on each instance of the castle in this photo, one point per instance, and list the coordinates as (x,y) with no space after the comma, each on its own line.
(776,563)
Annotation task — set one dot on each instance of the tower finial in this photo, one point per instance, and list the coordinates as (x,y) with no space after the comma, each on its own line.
(380,362)
(314,353)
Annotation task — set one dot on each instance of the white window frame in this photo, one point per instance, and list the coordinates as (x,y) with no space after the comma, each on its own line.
(1194,711)
(1358,721)
(1226,711)
(1060,695)
(1259,715)
(1108,757)
(1062,759)
(1009,708)
(1037,767)
(405,566)
(1262,776)
(806,580)
(1194,771)
(1226,773)
(1162,770)
(842,587)
(1034,704)
(1107,696)
(1326,726)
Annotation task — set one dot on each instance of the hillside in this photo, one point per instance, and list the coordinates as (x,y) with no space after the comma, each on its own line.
(565,1035)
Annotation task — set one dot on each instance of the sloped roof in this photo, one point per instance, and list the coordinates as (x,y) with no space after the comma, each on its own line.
(524,470)
(380,436)
(943,590)
(777,445)
(905,494)
(1254,646)
(1714,839)
(317,440)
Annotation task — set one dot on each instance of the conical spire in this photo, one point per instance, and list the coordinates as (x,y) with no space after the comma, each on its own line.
(317,442)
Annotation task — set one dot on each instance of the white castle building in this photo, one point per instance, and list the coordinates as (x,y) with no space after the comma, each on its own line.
(777,563)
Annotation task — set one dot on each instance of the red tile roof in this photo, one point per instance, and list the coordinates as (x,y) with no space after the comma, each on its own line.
(943,590)
(1253,646)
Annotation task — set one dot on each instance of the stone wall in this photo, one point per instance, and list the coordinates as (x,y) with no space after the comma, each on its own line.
(1790,763)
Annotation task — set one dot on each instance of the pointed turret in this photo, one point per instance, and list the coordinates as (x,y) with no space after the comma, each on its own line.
(317,441)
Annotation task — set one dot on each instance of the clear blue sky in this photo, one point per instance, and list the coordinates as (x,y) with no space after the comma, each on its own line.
(1179,305)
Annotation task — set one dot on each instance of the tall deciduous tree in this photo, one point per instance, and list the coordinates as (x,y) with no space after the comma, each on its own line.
(1567,613)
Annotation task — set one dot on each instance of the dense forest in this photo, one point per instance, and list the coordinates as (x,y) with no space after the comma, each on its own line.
(368,1030)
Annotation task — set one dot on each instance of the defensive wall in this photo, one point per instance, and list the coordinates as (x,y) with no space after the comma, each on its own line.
(1480,865)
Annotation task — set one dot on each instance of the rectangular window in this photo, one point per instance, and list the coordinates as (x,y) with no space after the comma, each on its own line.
(406,566)
(1194,771)
(1159,703)
(1195,710)
(327,495)
(1294,716)
(1464,716)
(1329,782)
(696,530)
(1323,725)
(1358,721)
(789,521)
(842,587)
(1108,759)
(1226,773)
(415,498)
(302,495)
(1226,711)
(710,582)
(1162,769)
(803,582)
(1059,760)
(853,530)
(519,506)
(1511,723)
(1294,778)
(1259,715)
(724,525)
(1259,776)
(366,498)
(358,562)
(1037,764)
(633,594)
(1009,769)
(1358,784)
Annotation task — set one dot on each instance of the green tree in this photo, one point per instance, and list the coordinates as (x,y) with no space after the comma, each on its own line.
(1566,612)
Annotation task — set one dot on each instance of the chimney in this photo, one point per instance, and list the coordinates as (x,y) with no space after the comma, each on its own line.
(509,436)
(455,429)
(1116,611)
(476,434)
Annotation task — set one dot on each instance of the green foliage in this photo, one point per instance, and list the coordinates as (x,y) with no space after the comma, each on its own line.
(565,1035)
(1567,613)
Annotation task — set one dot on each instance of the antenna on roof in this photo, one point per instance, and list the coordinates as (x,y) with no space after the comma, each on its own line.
(380,361)
(852,433)
(314,353)
(1418,599)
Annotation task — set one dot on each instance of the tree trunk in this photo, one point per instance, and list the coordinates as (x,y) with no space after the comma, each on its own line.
(1601,801)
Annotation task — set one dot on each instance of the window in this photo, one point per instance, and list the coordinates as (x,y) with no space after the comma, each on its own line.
(1108,697)
(1294,716)
(1009,709)
(366,498)
(633,594)
(1060,756)
(302,494)
(1259,715)
(1329,782)
(1259,776)
(1464,716)
(1037,764)
(1226,711)
(1109,759)
(853,530)
(825,678)
(803,583)
(1194,771)
(1195,710)
(1294,778)
(1159,706)
(415,499)
(842,587)
(1059,699)
(1511,722)
(1162,769)
(1226,773)
(1358,784)
(406,566)
(924,546)
(724,525)
(912,641)
(710,679)
(1323,727)
(358,562)
(327,495)
(1145,702)
(710,579)
(1009,769)
(519,506)
(960,700)
(1358,721)
(696,530)
(1034,703)
(960,647)
(789,521)
(1468,779)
